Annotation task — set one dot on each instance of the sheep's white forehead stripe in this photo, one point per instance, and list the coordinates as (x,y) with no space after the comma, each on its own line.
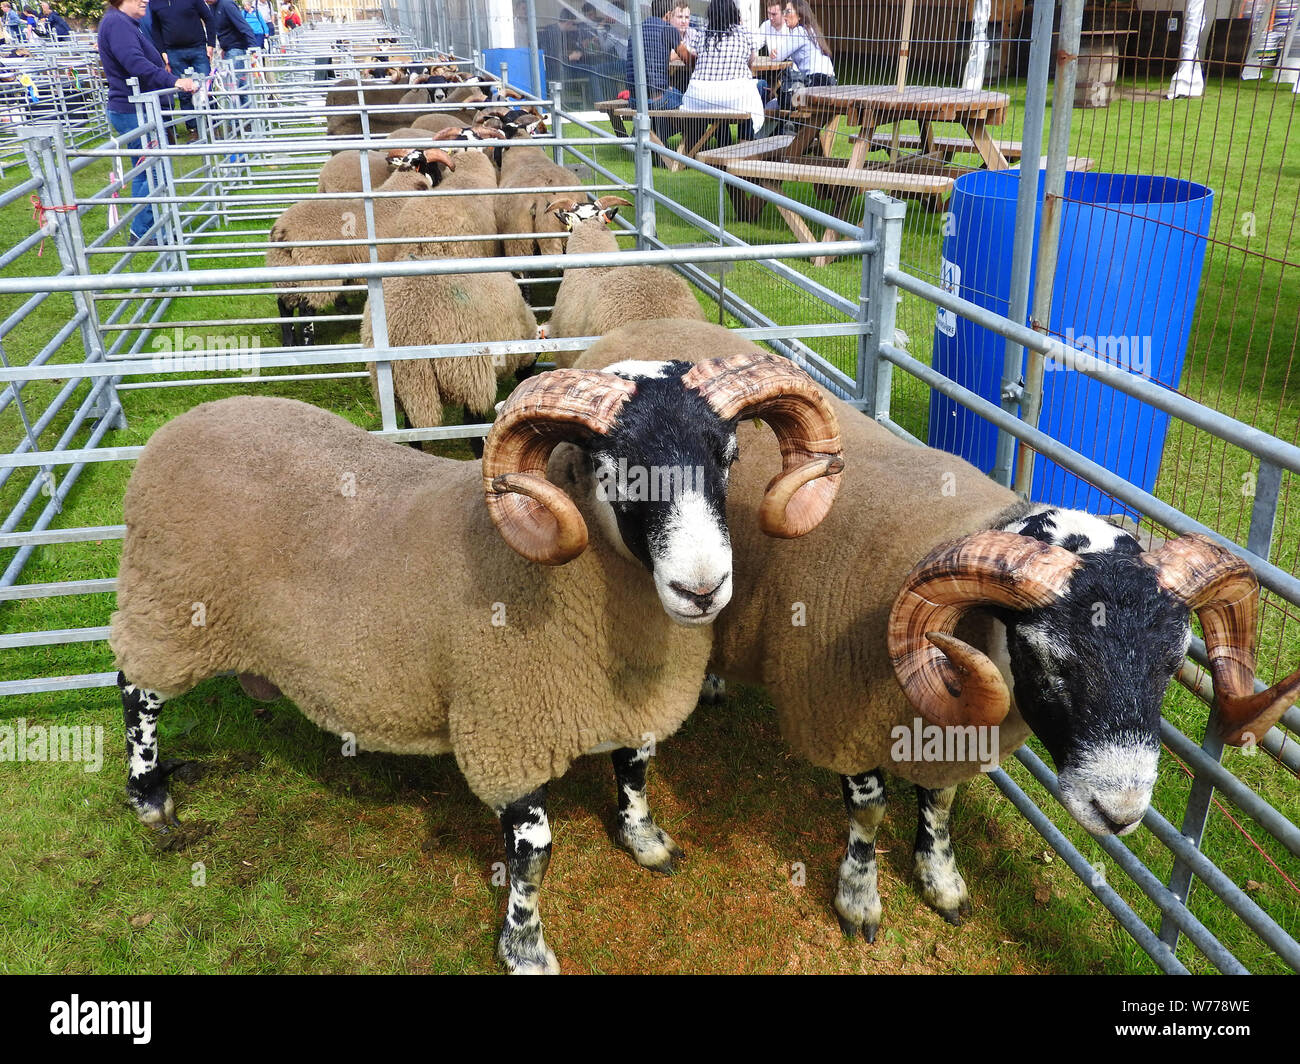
(631,370)
(1059,526)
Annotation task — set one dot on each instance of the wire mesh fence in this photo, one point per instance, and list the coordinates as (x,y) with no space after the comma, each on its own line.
(934,104)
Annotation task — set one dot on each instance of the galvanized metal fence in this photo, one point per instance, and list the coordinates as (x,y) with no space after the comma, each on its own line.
(214,200)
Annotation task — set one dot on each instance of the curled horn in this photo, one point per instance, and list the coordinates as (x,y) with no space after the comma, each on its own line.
(437,155)
(559,205)
(946,679)
(606,202)
(1223,591)
(536,518)
(449,133)
(773,389)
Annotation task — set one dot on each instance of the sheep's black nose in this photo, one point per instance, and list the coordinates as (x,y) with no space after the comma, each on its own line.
(700,596)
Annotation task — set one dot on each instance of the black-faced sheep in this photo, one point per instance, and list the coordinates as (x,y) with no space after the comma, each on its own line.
(307,541)
(421,220)
(525,212)
(593,302)
(931,597)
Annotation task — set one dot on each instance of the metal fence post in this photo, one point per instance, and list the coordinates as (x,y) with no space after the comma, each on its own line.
(374,286)
(1022,247)
(642,157)
(165,183)
(47,155)
(1259,541)
(1049,240)
(878,301)
(557,120)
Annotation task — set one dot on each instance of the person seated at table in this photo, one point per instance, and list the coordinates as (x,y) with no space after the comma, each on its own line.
(722,79)
(659,40)
(805,46)
(601,54)
(682,20)
(772,31)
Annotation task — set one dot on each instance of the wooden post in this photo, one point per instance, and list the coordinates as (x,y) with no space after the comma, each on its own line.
(904,44)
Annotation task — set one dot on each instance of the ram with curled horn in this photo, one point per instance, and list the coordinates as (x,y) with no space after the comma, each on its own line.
(518,613)
(937,619)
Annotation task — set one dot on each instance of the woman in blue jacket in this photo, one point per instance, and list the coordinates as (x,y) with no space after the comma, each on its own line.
(257,23)
(127,52)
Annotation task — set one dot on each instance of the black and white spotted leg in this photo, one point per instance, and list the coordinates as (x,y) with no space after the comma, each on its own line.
(714,690)
(527,836)
(637,832)
(307,329)
(857,901)
(146,781)
(933,861)
(286,309)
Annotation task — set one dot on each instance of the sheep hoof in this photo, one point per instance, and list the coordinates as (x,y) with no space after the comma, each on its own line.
(944,890)
(857,903)
(155,810)
(851,928)
(651,847)
(714,690)
(526,955)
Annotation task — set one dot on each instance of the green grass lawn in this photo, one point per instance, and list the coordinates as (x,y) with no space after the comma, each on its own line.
(294,858)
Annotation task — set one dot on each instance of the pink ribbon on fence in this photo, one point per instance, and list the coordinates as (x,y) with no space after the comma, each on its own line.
(40,210)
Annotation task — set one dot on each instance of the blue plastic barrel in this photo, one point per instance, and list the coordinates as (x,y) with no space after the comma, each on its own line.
(1128,271)
(519,68)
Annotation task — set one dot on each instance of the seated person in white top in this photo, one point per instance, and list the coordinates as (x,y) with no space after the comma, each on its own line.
(772,31)
(805,45)
(722,79)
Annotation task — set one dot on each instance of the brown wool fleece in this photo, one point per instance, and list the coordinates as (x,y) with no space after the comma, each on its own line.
(342,172)
(378,94)
(594,302)
(830,678)
(525,212)
(335,220)
(435,216)
(363,578)
(450,309)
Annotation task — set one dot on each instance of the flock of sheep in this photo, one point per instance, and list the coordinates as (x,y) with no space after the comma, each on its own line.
(529,608)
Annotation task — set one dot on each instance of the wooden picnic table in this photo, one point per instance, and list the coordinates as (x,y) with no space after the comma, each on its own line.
(806,156)
(870,106)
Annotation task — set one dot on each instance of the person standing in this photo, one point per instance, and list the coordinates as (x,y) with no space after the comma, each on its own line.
(185,33)
(236,37)
(53,24)
(257,23)
(266,8)
(126,51)
(13,23)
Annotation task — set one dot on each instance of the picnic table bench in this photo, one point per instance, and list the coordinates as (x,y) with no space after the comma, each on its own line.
(709,121)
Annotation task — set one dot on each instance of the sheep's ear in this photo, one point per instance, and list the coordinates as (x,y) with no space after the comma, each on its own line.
(563,209)
(609,206)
